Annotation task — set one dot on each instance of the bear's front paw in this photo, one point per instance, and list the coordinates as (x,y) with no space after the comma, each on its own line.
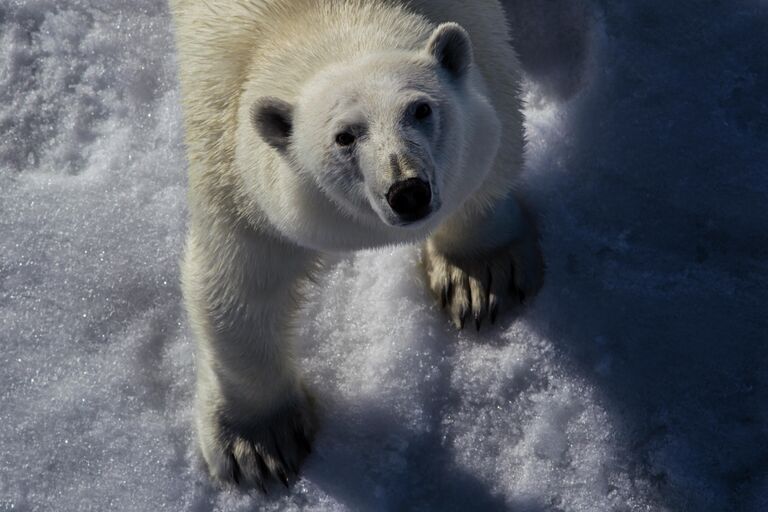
(477,286)
(256,450)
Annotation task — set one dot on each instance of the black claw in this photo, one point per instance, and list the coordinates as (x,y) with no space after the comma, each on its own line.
(494,310)
(280,457)
(235,469)
(283,478)
(263,469)
(521,294)
(462,318)
(444,298)
(478,321)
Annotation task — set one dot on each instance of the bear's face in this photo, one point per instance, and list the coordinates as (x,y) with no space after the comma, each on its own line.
(392,137)
(370,134)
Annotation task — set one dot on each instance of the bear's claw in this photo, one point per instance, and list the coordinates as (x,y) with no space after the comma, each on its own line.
(477,285)
(254,453)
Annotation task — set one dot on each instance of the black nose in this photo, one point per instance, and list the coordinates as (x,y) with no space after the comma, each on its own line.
(410,199)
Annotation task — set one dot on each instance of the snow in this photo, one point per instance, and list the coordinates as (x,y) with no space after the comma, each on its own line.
(636,381)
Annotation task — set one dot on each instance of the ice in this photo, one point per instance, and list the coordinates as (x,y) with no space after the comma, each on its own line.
(636,381)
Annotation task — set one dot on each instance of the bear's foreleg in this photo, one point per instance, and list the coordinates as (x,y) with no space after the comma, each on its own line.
(480,261)
(255,422)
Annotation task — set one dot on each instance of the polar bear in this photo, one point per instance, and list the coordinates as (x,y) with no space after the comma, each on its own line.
(320,126)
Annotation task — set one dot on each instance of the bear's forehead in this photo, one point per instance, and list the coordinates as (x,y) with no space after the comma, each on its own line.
(382,95)
(371,85)
(377,74)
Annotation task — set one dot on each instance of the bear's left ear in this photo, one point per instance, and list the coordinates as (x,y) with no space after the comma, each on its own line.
(273,120)
(451,46)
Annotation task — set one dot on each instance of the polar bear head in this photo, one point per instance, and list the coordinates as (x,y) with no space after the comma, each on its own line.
(399,137)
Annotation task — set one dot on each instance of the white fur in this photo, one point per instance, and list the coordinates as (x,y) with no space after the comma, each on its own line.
(262,212)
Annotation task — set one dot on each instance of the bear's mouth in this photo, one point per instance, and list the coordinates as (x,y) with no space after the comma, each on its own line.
(408,220)
(414,220)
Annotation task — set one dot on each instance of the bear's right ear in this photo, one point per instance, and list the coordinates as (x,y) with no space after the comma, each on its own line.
(450,45)
(273,120)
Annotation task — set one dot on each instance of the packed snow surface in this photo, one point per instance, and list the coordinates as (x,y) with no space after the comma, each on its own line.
(637,380)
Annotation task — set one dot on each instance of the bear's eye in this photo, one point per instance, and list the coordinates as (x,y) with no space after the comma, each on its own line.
(345,139)
(422,111)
